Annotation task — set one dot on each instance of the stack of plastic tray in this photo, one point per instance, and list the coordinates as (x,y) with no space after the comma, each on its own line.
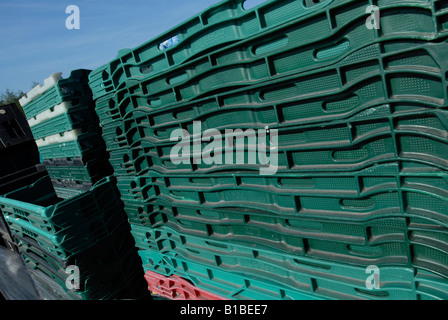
(19,157)
(283,151)
(66,129)
(245,272)
(176,288)
(83,243)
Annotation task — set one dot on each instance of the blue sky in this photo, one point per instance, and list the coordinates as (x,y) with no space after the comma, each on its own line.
(34,41)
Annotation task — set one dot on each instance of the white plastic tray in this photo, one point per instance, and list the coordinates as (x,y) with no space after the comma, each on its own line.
(50,113)
(59,138)
(38,90)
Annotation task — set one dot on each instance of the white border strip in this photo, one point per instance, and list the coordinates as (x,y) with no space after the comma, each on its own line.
(59,138)
(50,113)
(38,90)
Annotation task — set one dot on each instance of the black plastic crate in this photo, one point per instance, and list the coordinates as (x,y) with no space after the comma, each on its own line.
(67,189)
(76,171)
(21,178)
(18,157)
(14,128)
(74,176)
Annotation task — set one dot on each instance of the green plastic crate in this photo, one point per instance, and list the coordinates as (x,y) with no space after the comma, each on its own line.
(158,94)
(222,283)
(77,175)
(90,172)
(91,260)
(433,285)
(350,86)
(375,192)
(374,102)
(242,66)
(421,248)
(326,94)
(125,161)
(38,205)
(99,267)
(257,262)
(63,227)
(145,130)
(69,190)
(294,235)
(221,24)
(418,143)
(75,87)
(379,134)
(314,286)
(380,241)
(111,292)
(77,117)
(88,141)
(70,241)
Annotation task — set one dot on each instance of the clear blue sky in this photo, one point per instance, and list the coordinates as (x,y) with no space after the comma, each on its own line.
(34,41)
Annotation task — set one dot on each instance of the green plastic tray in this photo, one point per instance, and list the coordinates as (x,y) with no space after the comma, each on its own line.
(287,234)
(87,142)
(374,103)
(424,249)
(414,139)
(241,65)
(128,162)
(78,117)
(91,172)
(105,290)
(69,241)
(38,205)
(377,135)
(63,227)
(98,265)
(220,282)
(159,94)
(69,190)
(141,131)
(221,24)
(75,87)
(313,285)
(377,191)
(379,241)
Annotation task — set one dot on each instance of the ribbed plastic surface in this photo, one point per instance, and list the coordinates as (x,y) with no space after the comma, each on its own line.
(336,35)
(80,116)
(98,266)
(63,227)
(221,24)
(176,288)
(313,280)
(75,87)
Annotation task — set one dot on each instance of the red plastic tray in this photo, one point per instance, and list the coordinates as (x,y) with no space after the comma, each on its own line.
(176,288)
